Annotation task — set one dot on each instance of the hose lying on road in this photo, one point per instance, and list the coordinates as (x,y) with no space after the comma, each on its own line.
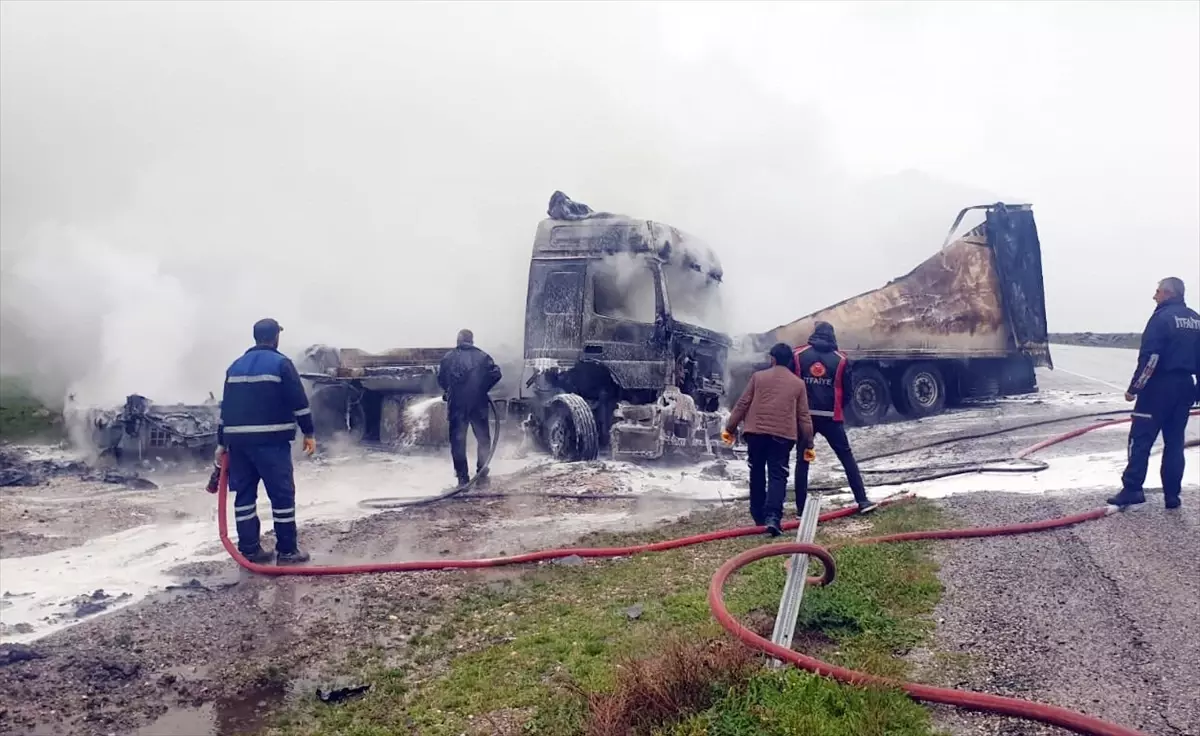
(1078,722)
(396,502)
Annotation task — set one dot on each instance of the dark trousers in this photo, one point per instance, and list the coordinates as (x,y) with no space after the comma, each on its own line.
(1161,407)
(272,464)
(768,456)
(475,417)
(834,433)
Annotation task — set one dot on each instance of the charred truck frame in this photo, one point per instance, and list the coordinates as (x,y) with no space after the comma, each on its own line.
(609,358)
(968,323)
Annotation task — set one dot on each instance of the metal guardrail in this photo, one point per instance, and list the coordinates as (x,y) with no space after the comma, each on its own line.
(793,589)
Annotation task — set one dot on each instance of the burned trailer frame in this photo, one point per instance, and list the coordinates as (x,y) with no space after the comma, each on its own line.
(601,371)
(968,323)
(370,397)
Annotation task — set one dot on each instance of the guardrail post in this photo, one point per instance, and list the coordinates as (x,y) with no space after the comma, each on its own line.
(793,589)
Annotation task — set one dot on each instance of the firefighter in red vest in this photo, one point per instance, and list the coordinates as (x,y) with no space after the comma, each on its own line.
(826,371)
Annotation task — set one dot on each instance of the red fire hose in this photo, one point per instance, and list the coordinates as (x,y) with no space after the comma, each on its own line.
(1054,715)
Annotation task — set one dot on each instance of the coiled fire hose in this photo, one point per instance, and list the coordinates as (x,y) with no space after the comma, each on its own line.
(1029,710)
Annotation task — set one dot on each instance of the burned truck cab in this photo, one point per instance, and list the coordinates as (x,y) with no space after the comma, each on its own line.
(615,351)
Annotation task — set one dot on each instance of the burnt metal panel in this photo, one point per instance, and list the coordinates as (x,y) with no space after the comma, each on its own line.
(1012,234)
(554,308)
(980,296)
(948,305)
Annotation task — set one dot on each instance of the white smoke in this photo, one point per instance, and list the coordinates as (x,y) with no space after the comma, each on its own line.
(372,174)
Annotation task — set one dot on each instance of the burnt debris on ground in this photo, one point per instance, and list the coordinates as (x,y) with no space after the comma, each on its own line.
(22,468)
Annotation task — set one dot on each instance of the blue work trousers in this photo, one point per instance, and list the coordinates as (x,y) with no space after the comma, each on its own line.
(272,464)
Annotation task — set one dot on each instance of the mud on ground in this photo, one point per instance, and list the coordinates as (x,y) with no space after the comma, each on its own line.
(248,641)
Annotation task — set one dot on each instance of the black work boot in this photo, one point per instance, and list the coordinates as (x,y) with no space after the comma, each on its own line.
(481,478)
(1173,502)
(464,480)
(1127,500)
(296,557)
(259,556)
(866,507)
(773,527)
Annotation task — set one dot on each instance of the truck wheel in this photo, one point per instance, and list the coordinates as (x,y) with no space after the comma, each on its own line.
(570,432)
(870,399)
(921,391)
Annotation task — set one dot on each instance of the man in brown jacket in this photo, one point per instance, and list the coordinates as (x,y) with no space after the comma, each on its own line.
(774,408)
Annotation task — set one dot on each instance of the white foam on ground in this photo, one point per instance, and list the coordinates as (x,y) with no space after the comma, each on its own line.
(1096,471)
(135,562)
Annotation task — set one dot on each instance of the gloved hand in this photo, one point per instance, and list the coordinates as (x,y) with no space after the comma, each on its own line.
(810,455)
(445,396)
(310,445)
(1129,396)
(727,437)
(218,455)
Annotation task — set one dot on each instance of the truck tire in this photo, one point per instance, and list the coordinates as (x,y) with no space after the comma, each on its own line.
(570,432)
(921,391)
(870,399)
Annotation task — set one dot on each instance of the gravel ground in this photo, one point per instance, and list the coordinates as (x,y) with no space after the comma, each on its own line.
(1102,618)
(219,651)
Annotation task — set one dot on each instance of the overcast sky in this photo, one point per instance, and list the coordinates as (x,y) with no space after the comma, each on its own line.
(371,174)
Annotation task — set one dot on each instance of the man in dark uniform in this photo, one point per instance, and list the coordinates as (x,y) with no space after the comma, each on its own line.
(1163,388)
(825,371)
(264,401)
(466,375)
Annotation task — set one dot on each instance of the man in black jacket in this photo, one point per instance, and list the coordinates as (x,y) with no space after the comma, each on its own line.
(825,371)
(466,375)
(1163,388)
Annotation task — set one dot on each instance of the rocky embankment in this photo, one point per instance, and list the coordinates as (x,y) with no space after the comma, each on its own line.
(1130,340)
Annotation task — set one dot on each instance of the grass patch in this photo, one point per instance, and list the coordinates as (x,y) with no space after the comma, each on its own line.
(24,417)
(577,649)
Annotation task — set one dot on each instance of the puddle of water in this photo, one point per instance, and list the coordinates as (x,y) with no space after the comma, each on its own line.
(248,712)
(200,721)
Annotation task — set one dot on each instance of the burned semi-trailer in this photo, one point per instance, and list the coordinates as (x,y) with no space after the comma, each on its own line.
(969,322)
(615,351)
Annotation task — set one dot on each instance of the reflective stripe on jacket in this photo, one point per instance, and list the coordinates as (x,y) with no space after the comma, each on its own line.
(264,400)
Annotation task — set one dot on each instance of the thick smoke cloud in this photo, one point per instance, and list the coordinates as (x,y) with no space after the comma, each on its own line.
(372,174)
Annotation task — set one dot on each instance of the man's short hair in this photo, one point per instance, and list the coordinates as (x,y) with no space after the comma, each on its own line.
(266,330)
(782,353)
(466,337)
(1173,285)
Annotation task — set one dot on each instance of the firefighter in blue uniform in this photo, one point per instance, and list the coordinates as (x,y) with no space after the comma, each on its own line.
(825,371)
(264,401)
(1163,388)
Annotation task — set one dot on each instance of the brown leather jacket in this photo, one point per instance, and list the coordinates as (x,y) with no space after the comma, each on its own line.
(776,403)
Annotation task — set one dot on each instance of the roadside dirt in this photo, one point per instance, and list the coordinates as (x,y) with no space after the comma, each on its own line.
(249,641)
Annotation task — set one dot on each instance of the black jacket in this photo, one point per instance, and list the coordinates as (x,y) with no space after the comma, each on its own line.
(1170,345)
(466,374)
(264,400)
(826,372)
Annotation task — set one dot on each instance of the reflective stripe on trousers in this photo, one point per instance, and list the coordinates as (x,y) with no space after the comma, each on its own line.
(257,428)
